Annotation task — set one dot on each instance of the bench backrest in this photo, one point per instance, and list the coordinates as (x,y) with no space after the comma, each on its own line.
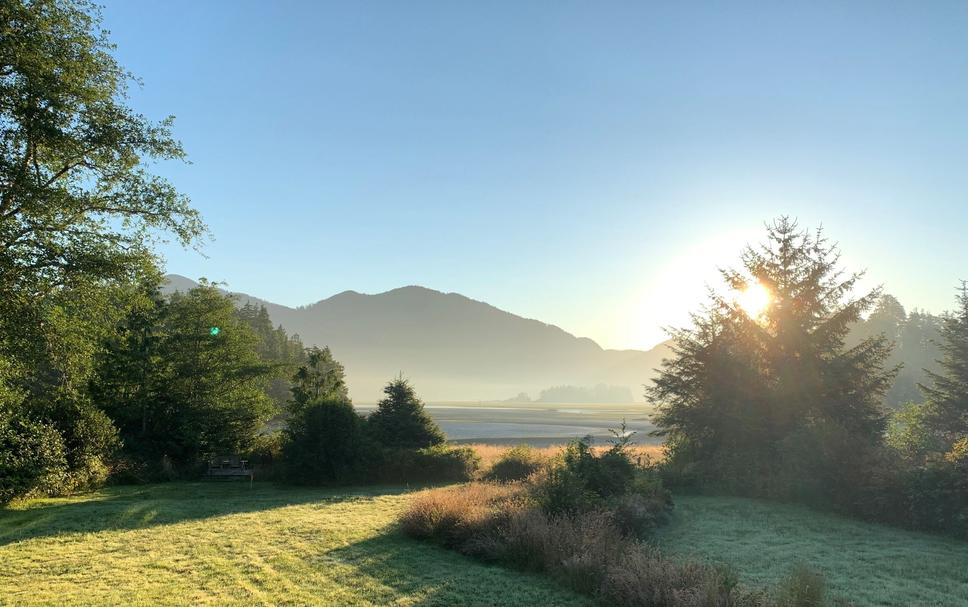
(226,461)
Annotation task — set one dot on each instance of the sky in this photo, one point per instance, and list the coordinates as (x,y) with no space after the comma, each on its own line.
(588,164)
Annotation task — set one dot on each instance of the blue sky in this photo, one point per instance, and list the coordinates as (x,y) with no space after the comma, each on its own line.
(586,164)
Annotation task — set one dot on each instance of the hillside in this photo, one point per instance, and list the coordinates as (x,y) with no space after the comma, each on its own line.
(452,347)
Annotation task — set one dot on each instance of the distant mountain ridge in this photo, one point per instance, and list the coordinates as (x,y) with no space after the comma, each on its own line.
(452,347)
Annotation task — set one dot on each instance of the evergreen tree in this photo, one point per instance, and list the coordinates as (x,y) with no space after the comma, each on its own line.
(946,410)
(400,420)
(284,352)
(754,401)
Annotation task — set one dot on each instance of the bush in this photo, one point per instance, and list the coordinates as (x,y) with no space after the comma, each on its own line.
(31,457)
(581,481)
(323,444)
(265,454)
(437,464)
(516,464)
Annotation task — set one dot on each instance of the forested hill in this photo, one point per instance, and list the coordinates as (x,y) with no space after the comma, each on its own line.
(452,347)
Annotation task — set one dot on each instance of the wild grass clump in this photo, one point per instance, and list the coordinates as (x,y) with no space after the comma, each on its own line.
(586,552)
(455,515)
(516,464)
(582,520)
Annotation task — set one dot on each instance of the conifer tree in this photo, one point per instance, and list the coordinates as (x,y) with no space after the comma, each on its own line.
(754,399)
(400,420)
(946,414)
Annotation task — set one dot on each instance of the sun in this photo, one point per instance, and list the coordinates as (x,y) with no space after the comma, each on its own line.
(754,299)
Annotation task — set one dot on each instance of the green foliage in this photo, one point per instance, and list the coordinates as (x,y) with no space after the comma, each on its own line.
(756,405)
(285,352)
(436,464)
(321,378)
(914,339)
(79,210)
(323,443)
(400,421)
(176,390)
(516,464)
(31,457)
(582,481)
(947,414)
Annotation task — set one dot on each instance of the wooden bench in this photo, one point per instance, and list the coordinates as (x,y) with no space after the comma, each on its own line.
(227,467)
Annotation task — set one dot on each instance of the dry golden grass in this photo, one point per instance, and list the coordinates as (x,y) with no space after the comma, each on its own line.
(491,453)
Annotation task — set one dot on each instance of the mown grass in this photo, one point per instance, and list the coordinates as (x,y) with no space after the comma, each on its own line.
(226,544)
(866,563)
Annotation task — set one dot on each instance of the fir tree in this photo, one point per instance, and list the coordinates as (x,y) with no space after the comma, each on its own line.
(751,400)
(946,414)
(400,420)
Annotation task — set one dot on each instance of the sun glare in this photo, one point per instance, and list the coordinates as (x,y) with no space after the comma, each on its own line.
(754,299)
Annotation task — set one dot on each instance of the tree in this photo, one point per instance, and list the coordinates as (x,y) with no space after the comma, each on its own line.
(946,414)
(75,196)
(765,403)
(185,379)
(321,378)
(79,210)
(285,352)
(323,443)
(400,420)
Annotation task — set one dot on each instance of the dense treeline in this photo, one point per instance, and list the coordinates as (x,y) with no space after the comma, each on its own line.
(778,404)
(915,351)
(599,393)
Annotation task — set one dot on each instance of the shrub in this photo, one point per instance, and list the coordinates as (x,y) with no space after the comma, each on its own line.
(265,454)
(31,457)
(323,443)
(437,464)
(583,480)
(516,464)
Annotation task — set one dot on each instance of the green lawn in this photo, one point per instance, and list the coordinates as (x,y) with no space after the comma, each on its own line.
(869,564)
(224,544)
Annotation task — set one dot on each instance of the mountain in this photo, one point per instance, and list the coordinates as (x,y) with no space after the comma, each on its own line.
(452,347)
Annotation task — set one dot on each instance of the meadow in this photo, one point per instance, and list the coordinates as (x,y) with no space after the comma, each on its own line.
(227,544)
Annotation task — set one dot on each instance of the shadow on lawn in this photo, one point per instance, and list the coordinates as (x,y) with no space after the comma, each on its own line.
(437,577)
(139,507)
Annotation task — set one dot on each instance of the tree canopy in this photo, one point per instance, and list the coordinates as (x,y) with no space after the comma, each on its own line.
(747,398)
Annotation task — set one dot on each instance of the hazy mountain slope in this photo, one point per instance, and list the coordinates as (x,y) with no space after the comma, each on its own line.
(452,347)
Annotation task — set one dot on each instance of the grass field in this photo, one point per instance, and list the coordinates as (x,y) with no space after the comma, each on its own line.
(224,544)
(869,564)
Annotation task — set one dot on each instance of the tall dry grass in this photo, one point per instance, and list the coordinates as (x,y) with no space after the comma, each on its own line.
(586,552)
(491,453)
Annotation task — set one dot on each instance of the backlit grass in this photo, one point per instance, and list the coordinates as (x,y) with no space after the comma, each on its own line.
(224,544)
(869,564)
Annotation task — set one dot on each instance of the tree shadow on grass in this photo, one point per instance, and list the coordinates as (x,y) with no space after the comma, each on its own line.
(438,577)
(144,506)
